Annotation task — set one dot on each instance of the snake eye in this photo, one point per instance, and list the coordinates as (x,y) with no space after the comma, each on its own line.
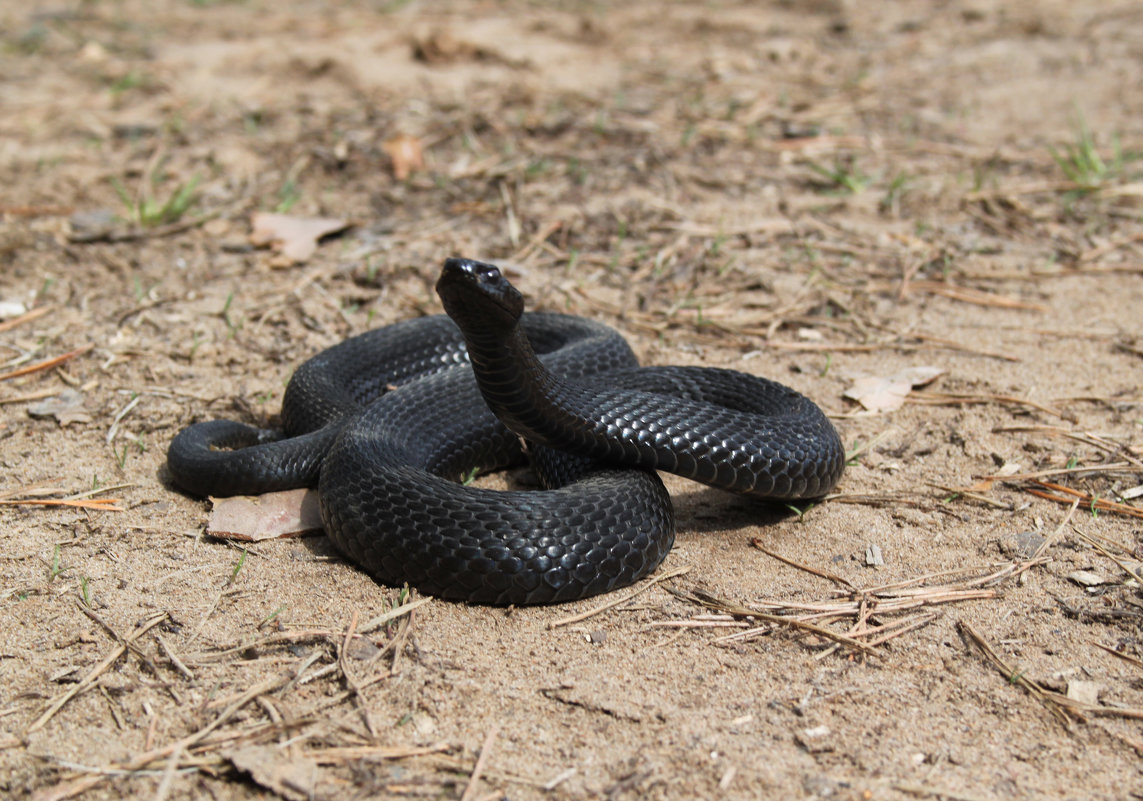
(487,273)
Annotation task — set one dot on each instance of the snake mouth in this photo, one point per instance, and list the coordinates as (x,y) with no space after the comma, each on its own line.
(475,291)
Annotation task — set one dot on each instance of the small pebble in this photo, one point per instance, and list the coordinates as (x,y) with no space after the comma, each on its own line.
(873,557)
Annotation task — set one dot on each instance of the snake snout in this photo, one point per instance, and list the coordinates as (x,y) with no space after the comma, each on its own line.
(477,293)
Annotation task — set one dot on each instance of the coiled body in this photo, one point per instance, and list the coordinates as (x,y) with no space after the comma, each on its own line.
(387,463)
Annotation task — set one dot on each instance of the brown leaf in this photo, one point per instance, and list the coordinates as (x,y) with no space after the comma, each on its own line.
(296,238)
(290,776)
(407,155)
(66,407)
(886,393)
(265,517)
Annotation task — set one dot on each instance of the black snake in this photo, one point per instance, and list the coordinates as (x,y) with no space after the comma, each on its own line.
(386,423)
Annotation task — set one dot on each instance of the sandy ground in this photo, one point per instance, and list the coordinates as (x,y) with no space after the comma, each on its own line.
(809,191)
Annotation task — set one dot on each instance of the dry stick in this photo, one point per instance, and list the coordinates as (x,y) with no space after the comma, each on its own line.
(36,211)
(711,602)
(1060,711)
(393,614)
(1087,438)
(45,365)
(458,764)
(950,344)
(33,396)
(174,660)
(884,499)
(1125,657)
(273,639)
(1114,244)
(119,638)
(820,346)
(349,753)
(757,543)
(1094,544)
(968,493)
(887,632)
(397,644)
(899,627)
(168,779)
(350,681)
(26,317)
(885,605)
(1007,570)
(68,789)
(98,504)
(951,399)
(894,602)
(1108,467)
(98,491)
(485,749)
(87,681)
(1055,702)
(1051,539)
(31,491)
(611,604)
(969,295)
(946,344)
(821,631)
(114,428)
(1070,495)
(535,242)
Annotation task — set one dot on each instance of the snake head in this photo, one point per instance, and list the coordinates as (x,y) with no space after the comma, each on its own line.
(477,294)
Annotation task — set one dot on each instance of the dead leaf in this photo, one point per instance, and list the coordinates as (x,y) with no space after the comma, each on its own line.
(295,238)
(886,393)
(66,407)
(290,776)
(406,153)
(442,47)
(265,517)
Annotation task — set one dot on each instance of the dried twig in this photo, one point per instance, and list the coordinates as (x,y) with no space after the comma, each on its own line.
(88,681)
(1069,495)
(485,750)
(47,364)
(836,579)
(1109,467)
(1127,568)
(74,787)
(26,317)
(951,399)
(619,601)
(1125,657)
(95,504)
(350,681)
(1049,699)
(730,608)
(976,296)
